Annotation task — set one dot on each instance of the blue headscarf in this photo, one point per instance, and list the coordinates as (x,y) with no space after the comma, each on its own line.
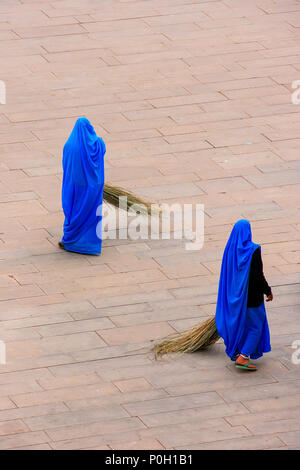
(82,188)
(233,287)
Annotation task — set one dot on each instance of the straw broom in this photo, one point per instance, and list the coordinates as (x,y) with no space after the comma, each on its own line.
(189,341)
(111,194)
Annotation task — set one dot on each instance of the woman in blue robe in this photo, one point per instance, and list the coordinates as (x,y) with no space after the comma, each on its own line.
(240,315)
(82,189)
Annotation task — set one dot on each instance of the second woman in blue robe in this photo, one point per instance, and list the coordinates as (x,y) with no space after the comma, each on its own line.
(240,315)
(82,189)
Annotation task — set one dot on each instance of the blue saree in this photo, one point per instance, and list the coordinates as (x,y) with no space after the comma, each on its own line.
(82,189)
(244,330)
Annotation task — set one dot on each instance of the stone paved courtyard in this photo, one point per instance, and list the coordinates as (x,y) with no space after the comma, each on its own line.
(193,99)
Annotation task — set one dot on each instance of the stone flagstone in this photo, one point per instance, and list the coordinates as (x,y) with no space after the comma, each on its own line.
(194,102)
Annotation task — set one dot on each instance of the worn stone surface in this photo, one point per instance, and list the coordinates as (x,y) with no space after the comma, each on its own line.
(193,99)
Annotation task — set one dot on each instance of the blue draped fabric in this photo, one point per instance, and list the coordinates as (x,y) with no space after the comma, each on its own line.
(82,189)
(256,338)
(244,330)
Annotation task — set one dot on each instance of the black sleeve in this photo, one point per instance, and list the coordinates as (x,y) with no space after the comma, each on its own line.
(257,267)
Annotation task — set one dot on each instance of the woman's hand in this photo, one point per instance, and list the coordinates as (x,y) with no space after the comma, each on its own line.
(269,298)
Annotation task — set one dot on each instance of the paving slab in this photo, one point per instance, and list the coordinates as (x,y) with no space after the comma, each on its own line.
(193,100)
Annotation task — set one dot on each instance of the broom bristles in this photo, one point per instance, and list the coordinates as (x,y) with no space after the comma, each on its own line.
(189,341)
(111,194)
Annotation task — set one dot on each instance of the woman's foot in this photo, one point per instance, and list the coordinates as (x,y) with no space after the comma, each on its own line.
(61,245)
(242,362)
